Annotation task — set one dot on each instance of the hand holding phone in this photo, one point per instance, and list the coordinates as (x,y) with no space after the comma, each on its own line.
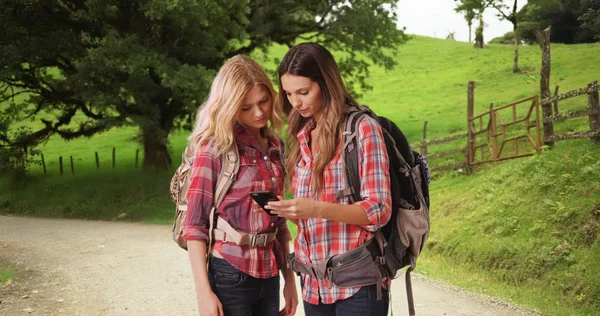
(263,197)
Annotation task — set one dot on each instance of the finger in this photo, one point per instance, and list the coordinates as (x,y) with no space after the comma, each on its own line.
(293,307)
(221,310)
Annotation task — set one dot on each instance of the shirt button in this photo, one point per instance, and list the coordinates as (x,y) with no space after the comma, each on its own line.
(274,179)
(254,161)
(272,224)
(266,158)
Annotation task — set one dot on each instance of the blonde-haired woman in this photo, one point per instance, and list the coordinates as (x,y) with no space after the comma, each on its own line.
(241,279)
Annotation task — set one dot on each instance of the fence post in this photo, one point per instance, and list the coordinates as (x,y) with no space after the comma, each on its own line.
(113,158)
(594,104)
(97,161)
(137,156)
(43,163)
(72,166)
(470,111)
(543,38)
(556,102)
(493,133)
(60,164)
(424,141)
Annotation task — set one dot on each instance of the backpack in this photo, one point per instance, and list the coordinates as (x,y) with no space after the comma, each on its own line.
(402,239)
(180,183)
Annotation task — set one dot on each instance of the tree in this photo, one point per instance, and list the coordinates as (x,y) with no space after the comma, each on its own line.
(479,42)
(590,19)
(473,9)
(83,67)
(505,14)
(572,21)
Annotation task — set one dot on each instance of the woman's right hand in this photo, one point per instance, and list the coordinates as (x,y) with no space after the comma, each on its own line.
(209,304)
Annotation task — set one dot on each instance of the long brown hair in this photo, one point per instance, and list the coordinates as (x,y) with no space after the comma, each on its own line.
(315,62)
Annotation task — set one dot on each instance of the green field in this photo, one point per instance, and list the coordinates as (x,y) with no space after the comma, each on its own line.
(526,230)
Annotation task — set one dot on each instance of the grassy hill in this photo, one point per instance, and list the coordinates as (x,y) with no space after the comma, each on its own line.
(526,230)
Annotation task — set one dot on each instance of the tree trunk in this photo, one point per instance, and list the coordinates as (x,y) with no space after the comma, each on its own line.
(516,61)
(479,43)
(470,31)
(156,155)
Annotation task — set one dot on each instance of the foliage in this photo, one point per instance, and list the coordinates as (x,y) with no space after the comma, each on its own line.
(84,67)
(17,151)
(506,39)
(572,21)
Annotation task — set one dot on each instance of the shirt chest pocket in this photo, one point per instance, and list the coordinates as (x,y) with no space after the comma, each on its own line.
(302,179)
(249,175)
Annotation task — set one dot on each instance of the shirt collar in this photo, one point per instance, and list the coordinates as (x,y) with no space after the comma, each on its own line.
(243,136)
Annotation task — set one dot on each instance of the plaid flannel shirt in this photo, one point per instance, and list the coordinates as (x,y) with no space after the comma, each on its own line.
(319,239)
(258,171)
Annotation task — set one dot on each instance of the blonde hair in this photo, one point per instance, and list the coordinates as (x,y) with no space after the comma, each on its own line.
(315,62)
(216,116)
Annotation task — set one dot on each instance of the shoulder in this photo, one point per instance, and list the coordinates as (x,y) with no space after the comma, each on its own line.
(368,126)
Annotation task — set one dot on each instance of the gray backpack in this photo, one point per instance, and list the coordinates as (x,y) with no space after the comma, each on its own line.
(398,243)
(180,183)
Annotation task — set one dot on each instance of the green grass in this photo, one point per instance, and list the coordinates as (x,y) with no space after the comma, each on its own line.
(529,228)
(6,274)
(526,230)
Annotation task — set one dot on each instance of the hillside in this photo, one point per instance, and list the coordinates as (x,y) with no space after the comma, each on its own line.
(526,230)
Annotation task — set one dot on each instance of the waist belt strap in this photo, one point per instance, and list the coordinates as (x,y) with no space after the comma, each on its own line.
(224,232)
(319,271)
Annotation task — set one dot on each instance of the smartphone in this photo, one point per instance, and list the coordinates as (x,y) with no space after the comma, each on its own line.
(262,197)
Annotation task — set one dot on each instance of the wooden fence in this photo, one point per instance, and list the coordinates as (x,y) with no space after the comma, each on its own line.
(467,160)
(593,112)
(97,159)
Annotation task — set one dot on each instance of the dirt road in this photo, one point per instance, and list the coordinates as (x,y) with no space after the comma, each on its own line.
(74,267)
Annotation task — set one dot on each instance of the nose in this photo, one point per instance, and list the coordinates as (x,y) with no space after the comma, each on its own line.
(294,101)
(258,111)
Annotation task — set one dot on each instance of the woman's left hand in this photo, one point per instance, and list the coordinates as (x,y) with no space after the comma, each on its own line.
(290,296)
(300,208)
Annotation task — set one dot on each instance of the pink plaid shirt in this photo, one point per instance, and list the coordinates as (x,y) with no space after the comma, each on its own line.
(319,239)
(258,171)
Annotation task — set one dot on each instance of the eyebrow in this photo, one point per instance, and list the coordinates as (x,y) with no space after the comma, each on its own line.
(298,90)
(267,96)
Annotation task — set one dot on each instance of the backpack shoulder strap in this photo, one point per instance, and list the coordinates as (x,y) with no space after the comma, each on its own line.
(350,154)
(229,170)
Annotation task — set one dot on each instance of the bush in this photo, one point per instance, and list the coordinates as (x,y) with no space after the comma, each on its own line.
(507,39)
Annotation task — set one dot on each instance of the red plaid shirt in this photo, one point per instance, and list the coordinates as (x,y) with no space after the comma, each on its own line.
(258,171)
(319,239)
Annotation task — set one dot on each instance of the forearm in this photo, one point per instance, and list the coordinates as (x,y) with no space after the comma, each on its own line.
(197,256)
(349,214)
(287,273)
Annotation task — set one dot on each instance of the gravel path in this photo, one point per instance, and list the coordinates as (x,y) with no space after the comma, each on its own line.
(75,267)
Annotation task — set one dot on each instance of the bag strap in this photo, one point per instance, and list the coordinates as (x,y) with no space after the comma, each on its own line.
(229,170)
(350,155)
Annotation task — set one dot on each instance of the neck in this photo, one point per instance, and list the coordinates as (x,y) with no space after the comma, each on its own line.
(256,132)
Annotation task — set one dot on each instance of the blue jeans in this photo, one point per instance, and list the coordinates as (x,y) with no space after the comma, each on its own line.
(241,294)
(362,303)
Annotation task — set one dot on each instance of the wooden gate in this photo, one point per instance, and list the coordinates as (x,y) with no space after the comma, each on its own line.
(488,142)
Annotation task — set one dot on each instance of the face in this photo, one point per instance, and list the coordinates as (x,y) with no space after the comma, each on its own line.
(256,109)
(303,94)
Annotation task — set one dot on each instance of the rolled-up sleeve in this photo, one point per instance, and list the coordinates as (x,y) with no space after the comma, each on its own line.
(204,174)
(373,162)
